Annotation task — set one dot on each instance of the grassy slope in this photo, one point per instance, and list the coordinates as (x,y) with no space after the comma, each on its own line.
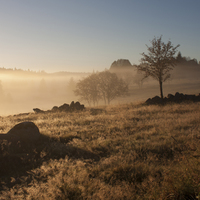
(118,152)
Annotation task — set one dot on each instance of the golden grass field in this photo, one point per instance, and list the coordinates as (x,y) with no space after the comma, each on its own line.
(129,151)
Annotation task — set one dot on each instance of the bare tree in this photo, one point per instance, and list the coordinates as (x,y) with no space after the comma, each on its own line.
(111,87)
(104,85)
(159,61)
(88,90)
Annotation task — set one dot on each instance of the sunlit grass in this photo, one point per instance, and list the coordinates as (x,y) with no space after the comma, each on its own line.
(129,151)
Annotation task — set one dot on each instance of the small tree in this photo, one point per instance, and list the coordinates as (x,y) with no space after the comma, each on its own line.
(159,61)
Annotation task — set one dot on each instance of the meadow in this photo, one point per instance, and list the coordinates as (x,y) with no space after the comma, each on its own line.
(127,151)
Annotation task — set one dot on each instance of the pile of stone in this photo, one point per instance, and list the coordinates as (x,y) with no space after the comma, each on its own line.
(177,98)
(63,108)
(66,107)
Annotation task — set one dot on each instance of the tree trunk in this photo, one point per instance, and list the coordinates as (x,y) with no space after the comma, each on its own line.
(161,89)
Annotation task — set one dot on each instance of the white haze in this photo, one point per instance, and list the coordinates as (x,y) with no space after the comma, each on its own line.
(184,79)
(20,92)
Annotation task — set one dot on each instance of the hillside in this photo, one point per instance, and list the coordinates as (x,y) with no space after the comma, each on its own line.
(129,151)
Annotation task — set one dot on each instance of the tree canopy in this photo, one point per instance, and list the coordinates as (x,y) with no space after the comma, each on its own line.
(101,86)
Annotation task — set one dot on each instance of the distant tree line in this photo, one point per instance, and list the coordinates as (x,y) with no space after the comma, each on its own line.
(15,70)
(104,86)
(186,60)
(41,73)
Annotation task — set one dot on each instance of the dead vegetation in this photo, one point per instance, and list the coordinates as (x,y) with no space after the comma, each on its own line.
(129,151)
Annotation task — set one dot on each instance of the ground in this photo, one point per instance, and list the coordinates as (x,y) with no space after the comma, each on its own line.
(128,151)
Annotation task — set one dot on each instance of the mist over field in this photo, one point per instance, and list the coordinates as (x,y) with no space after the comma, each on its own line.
(21,91)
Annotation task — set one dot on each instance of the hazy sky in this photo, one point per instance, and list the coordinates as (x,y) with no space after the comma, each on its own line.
(87,35)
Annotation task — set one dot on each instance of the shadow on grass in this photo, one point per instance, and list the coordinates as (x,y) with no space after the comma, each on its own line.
(102,151)
(16,158)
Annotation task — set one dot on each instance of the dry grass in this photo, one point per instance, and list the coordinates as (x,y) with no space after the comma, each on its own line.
(129,151)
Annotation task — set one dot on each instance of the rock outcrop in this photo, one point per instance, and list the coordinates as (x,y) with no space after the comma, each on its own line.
(177,98)
(121,64)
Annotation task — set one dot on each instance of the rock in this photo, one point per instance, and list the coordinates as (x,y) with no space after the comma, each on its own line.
(25,131)
(55,108)
(177,94)
(198,98)
(37,110)
(177,98)
(157,100)
(170,96)
(148,101)
(190,97)
(154,100)
(64,107)
(78,106)
(82,107)
(71,105)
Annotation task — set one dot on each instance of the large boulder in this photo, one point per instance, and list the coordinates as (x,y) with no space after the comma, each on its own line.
(25,131)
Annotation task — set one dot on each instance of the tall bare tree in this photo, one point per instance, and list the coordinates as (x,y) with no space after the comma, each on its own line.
(159,61)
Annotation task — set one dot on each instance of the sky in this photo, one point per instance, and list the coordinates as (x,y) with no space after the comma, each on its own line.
(88,35)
